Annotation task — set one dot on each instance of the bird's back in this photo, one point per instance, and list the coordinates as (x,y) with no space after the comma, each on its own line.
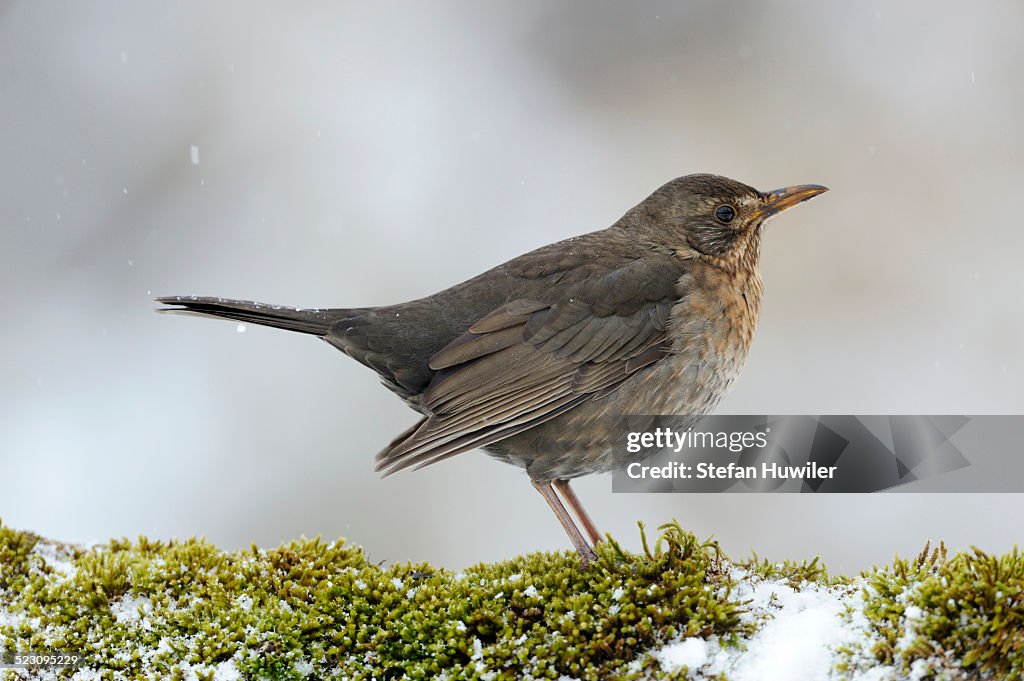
(604,271)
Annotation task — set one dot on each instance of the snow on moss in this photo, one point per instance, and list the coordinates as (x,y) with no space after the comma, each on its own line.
(309,609)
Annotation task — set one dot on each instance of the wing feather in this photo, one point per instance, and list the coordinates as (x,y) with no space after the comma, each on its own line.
(524,363)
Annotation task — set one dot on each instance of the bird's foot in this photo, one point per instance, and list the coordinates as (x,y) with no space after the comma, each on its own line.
(587,556)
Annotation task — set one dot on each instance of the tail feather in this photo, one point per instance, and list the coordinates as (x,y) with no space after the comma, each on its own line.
(317,322)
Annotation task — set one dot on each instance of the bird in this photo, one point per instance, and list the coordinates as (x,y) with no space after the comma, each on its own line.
(539,361)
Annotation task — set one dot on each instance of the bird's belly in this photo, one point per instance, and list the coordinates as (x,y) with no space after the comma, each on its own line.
(591,438)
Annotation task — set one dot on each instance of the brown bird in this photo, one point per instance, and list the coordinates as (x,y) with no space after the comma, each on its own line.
(539,360)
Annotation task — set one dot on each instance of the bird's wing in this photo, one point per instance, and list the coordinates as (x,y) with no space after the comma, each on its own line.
(529,361)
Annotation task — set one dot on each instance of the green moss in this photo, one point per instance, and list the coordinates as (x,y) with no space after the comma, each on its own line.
(169,609)
(963,614)
(15,555)
(794,573)
(311,609)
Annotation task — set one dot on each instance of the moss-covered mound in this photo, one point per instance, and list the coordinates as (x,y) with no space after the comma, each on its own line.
(315,610)
(944,617)
(321,610)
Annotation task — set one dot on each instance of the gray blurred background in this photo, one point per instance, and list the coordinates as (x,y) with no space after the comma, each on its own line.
(350,154)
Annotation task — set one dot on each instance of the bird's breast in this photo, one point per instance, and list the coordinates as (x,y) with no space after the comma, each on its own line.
(713,323)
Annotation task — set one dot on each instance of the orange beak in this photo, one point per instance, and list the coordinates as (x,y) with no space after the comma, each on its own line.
(778,200)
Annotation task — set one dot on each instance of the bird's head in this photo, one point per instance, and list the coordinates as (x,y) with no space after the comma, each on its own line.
(714,217)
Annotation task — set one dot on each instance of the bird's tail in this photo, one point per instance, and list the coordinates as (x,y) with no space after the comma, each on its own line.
(317,322)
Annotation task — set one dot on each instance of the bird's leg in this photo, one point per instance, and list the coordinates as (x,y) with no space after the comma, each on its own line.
(582,547)
(577,508)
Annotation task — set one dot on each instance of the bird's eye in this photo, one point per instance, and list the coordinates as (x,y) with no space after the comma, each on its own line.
(725,213)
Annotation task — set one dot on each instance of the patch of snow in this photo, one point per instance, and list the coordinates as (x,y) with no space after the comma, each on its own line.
(911,614)
(57,558)
(530,591)
(9,619)
(227,671)
(691,653)
(801,638)
(799,635)
(798,638)
(131,609)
